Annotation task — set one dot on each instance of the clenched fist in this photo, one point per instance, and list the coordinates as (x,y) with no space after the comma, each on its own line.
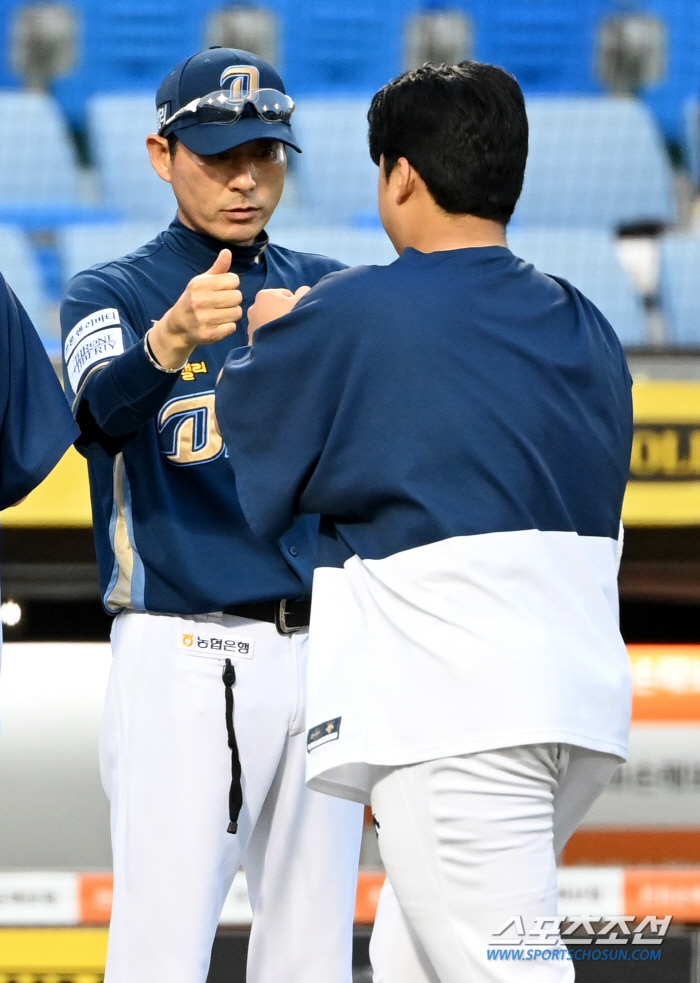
(206,312)
(270,304)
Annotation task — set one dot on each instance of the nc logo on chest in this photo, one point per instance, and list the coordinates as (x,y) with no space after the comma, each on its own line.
(186,430)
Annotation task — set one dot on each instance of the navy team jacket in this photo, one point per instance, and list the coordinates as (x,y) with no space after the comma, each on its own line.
(169,531)
(36,425)
(450,393)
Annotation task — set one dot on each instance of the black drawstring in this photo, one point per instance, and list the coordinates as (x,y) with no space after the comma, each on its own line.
(235,795)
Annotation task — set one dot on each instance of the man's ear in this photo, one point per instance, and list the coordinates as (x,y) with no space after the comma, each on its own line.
(159,152)
(404,180)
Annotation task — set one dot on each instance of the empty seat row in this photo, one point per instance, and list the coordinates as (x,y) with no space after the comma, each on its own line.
(355,47)
(585,257)
(596,162)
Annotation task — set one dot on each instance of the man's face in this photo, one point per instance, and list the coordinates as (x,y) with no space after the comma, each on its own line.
(230,195)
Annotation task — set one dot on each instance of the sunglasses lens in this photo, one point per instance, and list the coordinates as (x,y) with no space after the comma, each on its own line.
(272,115)
(273,106)
(229,113)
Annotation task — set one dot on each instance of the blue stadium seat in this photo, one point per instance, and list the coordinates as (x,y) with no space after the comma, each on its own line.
(81,246)
(595,162)
(38,170)
(356,247)
(129,46)
(118,125)
(37,165)
(691,136)
(19,267)
(341,48)
(586,257)
(337,179)
(546,44)
(680,287)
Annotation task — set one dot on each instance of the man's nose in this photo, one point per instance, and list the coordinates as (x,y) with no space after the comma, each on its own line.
(243,178)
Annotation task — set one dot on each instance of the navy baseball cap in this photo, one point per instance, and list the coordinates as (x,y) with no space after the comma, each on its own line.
(213,70)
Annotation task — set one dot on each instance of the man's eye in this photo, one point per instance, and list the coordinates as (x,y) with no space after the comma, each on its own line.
(273,152)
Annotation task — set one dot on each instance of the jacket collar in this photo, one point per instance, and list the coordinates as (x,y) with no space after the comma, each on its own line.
(199,251)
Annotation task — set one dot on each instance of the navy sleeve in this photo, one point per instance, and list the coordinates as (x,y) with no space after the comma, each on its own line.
(36,425)
(114,386)
(276,402)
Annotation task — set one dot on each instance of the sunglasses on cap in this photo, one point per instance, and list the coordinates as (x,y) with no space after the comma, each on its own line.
(270,105)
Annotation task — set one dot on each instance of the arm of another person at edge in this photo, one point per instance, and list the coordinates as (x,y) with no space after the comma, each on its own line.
(36,426)
(129,389)
(277,399)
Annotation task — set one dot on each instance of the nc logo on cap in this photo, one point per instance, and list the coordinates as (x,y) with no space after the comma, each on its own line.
(244,79)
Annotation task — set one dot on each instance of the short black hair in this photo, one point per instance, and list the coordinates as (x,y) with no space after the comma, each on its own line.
(463,128)
(172,143)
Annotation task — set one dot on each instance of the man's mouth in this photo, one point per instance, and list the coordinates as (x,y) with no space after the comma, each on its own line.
(241,213)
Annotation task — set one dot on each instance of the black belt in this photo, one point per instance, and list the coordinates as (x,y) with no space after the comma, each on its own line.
(287,616)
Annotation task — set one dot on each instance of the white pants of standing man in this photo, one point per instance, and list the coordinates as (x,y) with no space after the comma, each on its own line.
(468,843)
(166,767)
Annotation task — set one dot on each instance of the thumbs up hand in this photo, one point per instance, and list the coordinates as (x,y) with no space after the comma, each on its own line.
(207,311)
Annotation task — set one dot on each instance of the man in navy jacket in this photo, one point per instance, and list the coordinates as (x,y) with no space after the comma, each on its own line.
(207,615)
(462,423)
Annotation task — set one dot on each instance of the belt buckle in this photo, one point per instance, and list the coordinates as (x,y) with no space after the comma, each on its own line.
(281,619)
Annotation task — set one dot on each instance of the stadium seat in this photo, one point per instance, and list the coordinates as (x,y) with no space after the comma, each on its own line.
(39,175)
(37,165)
(337,179)
(118,125)
(19,267)
(331,47)
(596,162)
(680,287)
(587,258)
(81,246)
(691,134)
(356,247)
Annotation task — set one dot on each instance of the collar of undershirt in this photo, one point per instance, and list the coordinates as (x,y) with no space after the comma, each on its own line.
(199,251)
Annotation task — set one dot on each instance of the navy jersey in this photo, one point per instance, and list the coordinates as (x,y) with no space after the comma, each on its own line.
(36,425)
(463,425)
(169,531)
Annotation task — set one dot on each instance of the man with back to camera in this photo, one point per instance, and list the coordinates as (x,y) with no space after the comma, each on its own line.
(205,611)
(463,424)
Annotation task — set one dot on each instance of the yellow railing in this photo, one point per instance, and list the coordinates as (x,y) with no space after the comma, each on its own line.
(52,955)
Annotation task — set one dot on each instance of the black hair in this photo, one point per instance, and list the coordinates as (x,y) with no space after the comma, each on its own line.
(463,128)
(172,143)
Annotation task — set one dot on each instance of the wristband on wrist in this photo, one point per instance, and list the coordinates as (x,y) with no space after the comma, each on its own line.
(153,360)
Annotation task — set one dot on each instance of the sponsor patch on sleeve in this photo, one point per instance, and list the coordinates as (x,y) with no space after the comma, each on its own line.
(96,338)
(93,322)
(329,730)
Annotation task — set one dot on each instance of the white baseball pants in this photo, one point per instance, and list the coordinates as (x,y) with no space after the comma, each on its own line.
(468,843)
(166,768)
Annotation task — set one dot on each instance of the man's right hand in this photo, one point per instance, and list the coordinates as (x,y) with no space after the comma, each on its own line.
(206,312)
